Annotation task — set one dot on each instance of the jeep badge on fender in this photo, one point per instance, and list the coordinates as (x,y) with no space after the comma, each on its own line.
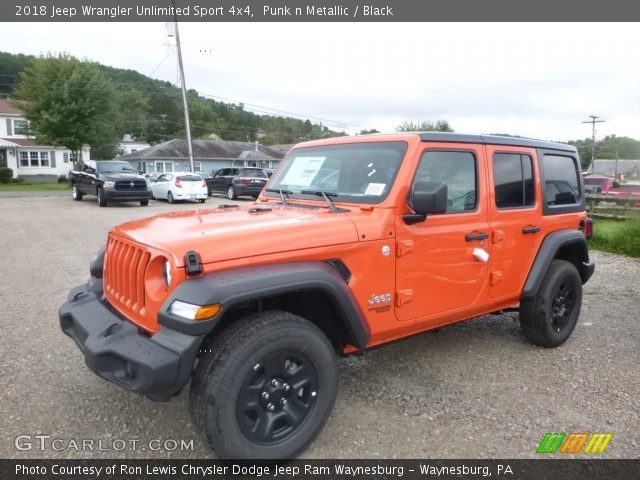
(467,225)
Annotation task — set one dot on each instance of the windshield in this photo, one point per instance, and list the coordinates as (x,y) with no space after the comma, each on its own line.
(359,172)
(115,167)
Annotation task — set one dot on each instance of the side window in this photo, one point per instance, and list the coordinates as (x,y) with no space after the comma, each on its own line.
(561,180)
(457,170)
(513,179)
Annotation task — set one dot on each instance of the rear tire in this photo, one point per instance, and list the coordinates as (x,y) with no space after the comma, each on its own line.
(231,193)
(202,200)
(170,198)
(144,203)
(548,318)
(264,387)
(102,199)
(76,194)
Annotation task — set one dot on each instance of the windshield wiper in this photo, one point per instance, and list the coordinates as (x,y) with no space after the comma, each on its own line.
(281,192)
(326,196)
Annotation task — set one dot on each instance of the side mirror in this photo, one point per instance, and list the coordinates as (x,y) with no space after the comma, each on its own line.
(425,198)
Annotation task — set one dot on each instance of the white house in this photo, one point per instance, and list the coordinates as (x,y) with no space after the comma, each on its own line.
(129,145)
(26,157)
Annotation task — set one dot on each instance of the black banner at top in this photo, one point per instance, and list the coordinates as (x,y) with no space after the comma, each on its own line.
(315,10)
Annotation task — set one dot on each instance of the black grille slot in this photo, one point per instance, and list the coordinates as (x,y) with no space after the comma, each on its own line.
(131,185)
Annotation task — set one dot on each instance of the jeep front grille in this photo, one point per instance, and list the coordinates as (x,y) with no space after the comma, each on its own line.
(125,268)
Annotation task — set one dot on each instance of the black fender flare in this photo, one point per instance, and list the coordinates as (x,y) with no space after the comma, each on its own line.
(231,287)
(548,251)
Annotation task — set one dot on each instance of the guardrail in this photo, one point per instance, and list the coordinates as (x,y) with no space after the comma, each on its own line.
(613,207)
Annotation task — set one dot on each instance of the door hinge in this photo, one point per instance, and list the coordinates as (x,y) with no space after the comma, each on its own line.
(404,247)
(403,297)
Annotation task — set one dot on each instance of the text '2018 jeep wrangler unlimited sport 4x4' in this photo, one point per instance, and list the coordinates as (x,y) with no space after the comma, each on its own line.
(354,242)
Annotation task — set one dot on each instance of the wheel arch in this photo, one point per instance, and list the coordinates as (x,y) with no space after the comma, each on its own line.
(569,245)
(313,290)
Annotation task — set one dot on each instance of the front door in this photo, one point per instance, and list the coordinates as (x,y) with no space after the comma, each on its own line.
(3,158)
(441,267)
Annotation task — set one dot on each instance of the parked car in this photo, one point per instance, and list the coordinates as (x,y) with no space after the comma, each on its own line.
(110,181)
(237,182)
(174,186)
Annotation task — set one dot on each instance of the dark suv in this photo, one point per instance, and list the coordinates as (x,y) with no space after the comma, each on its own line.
(237,182)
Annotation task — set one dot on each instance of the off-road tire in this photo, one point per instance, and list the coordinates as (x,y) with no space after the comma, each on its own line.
(240,364)
(231,192)
(76,194)
(548,318)
(102,200)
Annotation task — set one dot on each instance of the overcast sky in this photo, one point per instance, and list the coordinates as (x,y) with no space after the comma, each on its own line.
(535,80)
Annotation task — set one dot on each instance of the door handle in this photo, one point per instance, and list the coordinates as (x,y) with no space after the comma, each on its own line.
(470,237)
(530,229)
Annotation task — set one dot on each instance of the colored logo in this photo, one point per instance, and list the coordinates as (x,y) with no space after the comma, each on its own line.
(574,442)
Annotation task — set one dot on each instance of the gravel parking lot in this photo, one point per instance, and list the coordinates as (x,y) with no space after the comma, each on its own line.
(473,390)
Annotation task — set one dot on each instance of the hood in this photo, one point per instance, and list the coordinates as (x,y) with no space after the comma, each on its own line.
(228,233)
(121,176)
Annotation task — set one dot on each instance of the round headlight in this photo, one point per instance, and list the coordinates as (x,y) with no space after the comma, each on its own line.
(166,270)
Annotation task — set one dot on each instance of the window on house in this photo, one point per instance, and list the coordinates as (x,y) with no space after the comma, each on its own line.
(160,167)
(197,166)
(65,157)
(44,159)
(33,156)
(513,179)
(24,159)
(20,127)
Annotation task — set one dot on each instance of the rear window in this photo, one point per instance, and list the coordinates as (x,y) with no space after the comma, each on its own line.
(252,173)
(561,180)
(190,178)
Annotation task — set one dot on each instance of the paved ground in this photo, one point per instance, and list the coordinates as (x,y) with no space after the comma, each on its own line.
(473,390)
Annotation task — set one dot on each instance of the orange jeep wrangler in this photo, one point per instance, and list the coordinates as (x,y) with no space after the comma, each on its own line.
(354,242)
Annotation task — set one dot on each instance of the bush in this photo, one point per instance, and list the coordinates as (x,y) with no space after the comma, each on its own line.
(62,179)
(6,174)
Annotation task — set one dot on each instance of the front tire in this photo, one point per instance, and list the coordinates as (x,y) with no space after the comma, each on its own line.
(548,318)
(144,203)
(76,194)
(102,199)
(264,387)
(231,193)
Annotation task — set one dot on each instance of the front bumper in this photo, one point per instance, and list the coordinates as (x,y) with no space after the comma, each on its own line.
(157,365)
(127,196)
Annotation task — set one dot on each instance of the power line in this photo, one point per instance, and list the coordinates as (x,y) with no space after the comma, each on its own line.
(593,122)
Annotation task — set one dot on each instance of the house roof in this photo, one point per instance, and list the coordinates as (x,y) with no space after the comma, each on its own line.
(7,109)
(20,142)
(176,149)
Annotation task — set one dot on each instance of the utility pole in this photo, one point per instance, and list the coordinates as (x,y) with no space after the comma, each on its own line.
(184,90)
(593,122)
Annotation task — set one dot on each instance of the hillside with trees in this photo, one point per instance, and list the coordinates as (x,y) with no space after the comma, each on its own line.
(143,107)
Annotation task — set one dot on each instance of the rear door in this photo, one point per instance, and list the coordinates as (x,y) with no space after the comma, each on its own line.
(515,217)
(437,273)
(191,185)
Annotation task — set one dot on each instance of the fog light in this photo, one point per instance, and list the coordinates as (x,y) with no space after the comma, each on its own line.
(194,312)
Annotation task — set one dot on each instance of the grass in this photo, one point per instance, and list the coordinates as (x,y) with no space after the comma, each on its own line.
(33,187)
(613,236)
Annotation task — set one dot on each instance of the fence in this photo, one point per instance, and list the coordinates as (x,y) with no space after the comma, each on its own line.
(613,207)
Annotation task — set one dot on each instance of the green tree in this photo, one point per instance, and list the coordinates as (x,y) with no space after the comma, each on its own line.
(68,102)
(368,132)
(425,126)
